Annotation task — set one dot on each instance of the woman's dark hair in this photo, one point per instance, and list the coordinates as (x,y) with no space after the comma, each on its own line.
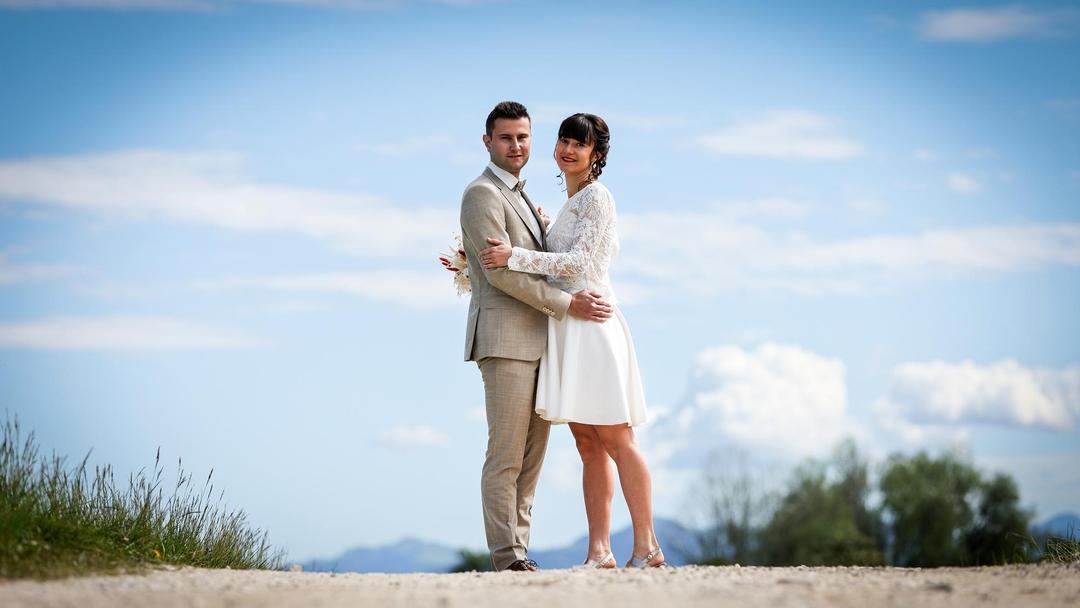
(589,129)
(505,109)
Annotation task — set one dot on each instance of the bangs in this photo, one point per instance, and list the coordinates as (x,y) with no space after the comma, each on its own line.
(578,127)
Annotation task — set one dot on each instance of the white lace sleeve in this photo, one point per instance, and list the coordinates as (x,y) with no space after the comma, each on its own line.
(592,241)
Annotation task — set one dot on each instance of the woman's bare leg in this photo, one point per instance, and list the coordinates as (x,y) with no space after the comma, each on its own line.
(598,486)
(618,441)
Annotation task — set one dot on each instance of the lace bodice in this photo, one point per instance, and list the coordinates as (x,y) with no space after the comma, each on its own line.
(582,242)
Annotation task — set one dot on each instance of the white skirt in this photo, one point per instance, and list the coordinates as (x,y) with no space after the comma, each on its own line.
(589,374)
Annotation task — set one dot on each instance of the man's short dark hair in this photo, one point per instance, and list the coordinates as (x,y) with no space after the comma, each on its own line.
(506,109)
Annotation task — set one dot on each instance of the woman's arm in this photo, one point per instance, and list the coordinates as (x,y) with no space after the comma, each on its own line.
(596,217)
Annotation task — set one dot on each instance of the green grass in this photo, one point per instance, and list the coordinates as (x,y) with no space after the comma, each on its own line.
(1062,549)
(57,520)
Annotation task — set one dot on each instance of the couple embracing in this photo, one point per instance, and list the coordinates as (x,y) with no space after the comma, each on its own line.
(550,342)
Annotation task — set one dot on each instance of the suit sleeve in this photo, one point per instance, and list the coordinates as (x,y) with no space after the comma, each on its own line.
(483,217)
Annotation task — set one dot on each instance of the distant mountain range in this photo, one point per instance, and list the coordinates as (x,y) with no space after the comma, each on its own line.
(1063,524)
(414,555)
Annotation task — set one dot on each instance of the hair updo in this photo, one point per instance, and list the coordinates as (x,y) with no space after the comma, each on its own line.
(589,129)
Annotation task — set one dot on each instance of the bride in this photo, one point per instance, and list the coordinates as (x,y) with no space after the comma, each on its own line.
(589,377)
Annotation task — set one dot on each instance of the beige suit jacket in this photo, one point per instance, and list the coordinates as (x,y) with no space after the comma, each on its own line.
(508,310)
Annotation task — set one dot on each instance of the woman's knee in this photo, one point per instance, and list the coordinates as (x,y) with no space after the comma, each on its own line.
(616,440)
(588,443)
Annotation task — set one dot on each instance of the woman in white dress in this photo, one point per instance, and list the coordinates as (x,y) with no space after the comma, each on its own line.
(589,375)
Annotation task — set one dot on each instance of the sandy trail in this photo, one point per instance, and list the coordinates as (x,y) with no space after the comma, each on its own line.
(1027,586)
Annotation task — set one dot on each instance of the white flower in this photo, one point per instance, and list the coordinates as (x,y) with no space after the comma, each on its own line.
(455,261)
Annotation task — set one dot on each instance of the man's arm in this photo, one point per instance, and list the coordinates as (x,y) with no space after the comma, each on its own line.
(482,216)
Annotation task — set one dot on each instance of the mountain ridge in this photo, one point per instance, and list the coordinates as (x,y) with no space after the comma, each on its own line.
(411,554)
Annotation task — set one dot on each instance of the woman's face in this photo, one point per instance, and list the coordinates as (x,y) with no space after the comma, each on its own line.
(573,157)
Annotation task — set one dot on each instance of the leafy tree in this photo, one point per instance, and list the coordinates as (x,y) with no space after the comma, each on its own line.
(999,534)
(824,519)
(929,502)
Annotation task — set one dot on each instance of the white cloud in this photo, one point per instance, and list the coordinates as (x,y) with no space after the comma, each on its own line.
(211,189)
(778,398)
(1003,393)
(992,23)
(783,134)
(120,333)
(407,146)
(778,404)
(413,437)
(963,183)
(11,272)
(716,253)
(423,290)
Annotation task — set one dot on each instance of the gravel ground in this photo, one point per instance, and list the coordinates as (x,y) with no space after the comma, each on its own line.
(1027,586)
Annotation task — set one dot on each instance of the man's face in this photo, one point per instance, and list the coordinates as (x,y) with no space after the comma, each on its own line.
(509,143)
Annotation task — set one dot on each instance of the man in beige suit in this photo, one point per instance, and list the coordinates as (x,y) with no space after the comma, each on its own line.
(507,334)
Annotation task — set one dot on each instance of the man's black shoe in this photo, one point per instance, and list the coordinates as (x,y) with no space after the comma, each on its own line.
(523,565)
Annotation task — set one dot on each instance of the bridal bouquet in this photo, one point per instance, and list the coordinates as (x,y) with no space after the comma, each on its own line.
(454,261)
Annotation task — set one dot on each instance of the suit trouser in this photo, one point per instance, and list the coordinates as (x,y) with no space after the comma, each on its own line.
(517,440)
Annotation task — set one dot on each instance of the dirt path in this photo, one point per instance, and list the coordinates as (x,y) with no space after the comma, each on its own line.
(1027,586)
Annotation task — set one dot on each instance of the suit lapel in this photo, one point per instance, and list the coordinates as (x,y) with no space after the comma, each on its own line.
(509,195)
(539,222)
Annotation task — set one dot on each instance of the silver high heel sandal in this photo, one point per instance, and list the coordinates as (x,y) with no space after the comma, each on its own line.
(643,562)
(600,564)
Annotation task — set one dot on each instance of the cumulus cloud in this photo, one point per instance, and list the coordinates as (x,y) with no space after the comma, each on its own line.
(777,404)
(783,134)
(212,189)
(993,23)
(1005,393)
(120,333)
(413,437)
(962,183)
(779,399)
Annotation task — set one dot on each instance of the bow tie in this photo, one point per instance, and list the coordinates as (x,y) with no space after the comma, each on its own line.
(520,186)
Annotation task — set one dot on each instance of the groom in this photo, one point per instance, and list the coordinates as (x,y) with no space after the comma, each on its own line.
(507,332)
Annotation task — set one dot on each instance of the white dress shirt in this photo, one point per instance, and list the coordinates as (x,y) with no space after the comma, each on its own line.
(511,182)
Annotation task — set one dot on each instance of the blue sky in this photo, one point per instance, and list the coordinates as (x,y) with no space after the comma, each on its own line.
(219,223)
